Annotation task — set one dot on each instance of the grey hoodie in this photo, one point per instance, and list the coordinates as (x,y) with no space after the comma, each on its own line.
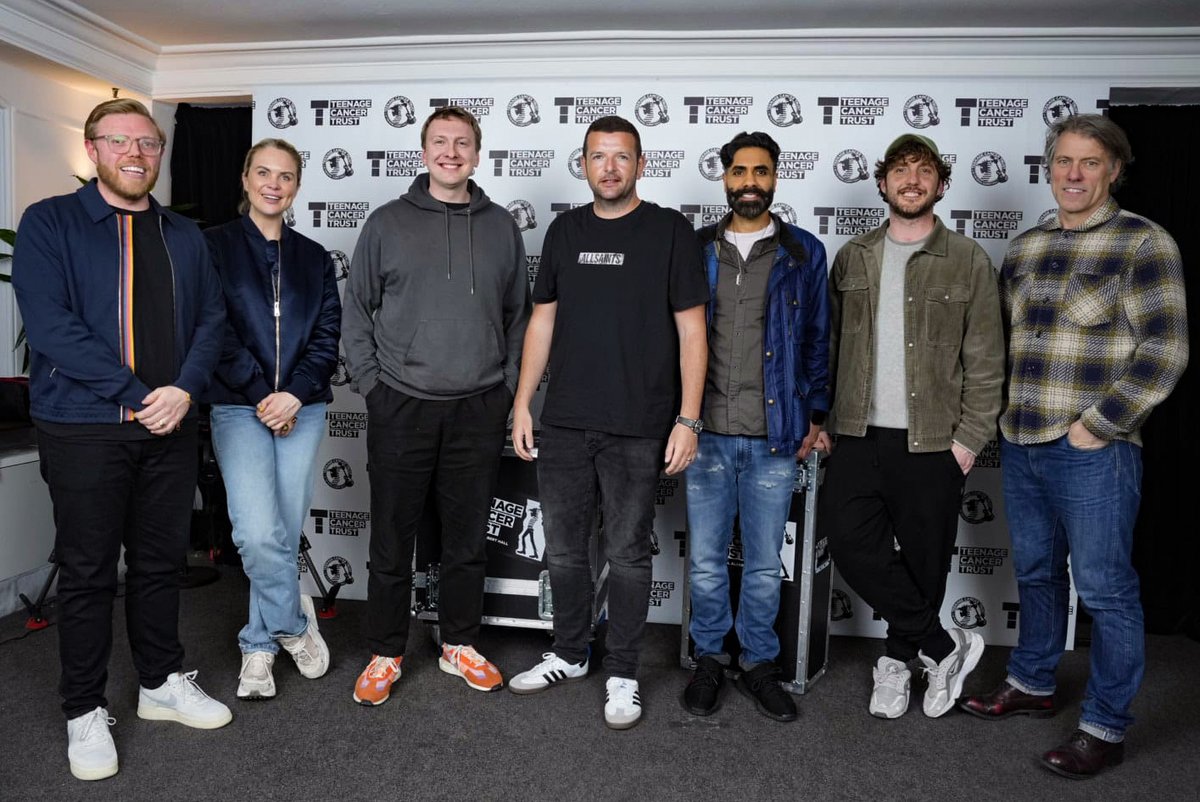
(437,301)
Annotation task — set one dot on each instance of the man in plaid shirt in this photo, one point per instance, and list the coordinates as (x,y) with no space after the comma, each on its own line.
(1094,303)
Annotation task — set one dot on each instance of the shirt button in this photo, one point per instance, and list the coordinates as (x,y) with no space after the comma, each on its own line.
(1037,335)
(770,402)
(910,299)
(915,443)
(773,450)
(913,395)
(910,345)
(768,354)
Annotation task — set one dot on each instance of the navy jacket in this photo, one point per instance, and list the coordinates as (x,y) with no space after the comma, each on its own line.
(796,331)
(67,273)
(258,359)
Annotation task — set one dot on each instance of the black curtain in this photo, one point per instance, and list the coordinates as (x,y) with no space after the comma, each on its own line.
(1161,185)
(206,160)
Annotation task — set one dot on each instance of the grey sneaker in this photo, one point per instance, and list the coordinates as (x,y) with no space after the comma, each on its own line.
(255,682)
(622,703)
(308,648)
(892,682)
(90,747)
(946,678)
(180,699)
(552,670)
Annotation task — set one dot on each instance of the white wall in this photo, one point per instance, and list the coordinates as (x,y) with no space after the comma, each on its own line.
(45,152)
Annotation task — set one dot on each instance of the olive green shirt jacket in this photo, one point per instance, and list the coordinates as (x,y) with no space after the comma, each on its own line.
(954,365)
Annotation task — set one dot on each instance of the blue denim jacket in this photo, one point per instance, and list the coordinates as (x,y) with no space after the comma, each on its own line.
(796,335)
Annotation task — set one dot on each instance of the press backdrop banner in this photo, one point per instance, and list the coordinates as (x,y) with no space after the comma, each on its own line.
(361,146)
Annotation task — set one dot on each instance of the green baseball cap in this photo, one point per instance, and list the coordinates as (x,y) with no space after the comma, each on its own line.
(904,139)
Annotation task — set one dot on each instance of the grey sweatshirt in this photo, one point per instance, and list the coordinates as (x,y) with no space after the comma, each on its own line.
(437,301)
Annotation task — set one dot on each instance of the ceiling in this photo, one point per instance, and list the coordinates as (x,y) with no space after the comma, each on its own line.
(183,23)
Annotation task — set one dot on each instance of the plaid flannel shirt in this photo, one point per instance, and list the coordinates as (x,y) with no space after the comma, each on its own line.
(1097,326)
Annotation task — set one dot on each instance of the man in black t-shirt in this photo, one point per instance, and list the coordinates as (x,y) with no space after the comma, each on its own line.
(619,317)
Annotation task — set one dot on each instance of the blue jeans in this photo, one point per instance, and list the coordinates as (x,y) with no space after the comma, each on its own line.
(268,481)
(1062,500)
(577,470)
(737,475)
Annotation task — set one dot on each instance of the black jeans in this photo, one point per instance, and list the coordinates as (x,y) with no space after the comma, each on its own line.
(876,493)
(572,465)
(411,443)
(107,493)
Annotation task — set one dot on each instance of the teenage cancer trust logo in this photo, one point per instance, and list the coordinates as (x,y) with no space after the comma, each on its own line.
(921,111)
(651,110)
(282,113)
(783,110)
(337,164)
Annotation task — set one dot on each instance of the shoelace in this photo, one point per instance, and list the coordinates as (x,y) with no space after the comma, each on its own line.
(255,667)
(622,693)
(706,677)
(381,666)
(190,688)
(302,653)
(92,732)
(549,661)
(937,675)
(892,679)
(468,655)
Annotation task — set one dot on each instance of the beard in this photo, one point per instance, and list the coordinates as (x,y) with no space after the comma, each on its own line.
(911,212)
(126,187)
(752,208)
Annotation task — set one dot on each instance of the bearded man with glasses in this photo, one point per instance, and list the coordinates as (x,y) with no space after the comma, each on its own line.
(124,319)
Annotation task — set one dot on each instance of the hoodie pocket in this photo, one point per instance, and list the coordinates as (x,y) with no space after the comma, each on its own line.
(448,357)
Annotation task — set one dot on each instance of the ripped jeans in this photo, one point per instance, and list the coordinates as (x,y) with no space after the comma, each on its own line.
(735,475)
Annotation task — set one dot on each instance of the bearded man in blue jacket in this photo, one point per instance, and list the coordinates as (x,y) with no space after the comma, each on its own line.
(765,398)
(124,318)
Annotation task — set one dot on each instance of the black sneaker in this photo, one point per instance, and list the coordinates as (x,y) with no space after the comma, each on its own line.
(761,684)
(702,696)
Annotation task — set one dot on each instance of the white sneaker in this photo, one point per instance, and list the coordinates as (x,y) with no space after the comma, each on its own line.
(553,669)
(254,680)
(180,699)
(946,678)
(892,681)
(622,703)
(308,648)
(90,747)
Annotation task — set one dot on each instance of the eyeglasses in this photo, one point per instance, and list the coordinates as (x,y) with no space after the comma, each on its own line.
(120,144)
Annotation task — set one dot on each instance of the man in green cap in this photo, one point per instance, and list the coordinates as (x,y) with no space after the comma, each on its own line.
(917,360)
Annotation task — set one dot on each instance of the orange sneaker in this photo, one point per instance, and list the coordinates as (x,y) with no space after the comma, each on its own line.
(374,685)
(465,662)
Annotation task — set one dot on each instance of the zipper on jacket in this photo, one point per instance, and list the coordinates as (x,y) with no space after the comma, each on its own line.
(174,303)
(276,285)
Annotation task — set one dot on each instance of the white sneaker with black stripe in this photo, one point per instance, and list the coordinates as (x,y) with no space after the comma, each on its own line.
(622,703)
(551,671)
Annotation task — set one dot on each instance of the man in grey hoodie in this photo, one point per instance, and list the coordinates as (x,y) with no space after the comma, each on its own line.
(434,315)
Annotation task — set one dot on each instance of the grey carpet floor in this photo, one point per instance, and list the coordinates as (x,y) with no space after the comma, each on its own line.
(437,739)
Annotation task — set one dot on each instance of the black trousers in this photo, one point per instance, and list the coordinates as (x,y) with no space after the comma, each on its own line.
(579,470)
(107,493)
(877,495)
(412,444)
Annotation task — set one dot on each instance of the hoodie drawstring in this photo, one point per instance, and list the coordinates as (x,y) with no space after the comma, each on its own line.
(471,248)
(470,244)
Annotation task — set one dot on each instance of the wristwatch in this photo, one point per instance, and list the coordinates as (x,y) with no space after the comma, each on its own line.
(696,425)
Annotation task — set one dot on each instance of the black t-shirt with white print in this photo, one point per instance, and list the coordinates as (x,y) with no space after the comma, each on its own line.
(614,359)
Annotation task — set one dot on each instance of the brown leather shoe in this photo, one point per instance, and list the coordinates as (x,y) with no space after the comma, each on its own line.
(1083,756)
(1007,701)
